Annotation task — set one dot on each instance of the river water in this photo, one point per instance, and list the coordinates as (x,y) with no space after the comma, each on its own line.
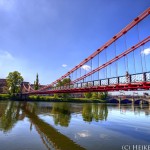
(73,126)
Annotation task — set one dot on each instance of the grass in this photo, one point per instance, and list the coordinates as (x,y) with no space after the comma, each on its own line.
(69,99)
(53,98)
(4,96)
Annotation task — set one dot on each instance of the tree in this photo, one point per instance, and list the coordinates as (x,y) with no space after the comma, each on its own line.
(95,95)
(14,80)
(88,95)
(36,83)
(103,95)
(5,90)
(64,82)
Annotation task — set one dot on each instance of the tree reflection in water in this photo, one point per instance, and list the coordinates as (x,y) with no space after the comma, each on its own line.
(10,114)
(49,135)
(95,112)
(61,113)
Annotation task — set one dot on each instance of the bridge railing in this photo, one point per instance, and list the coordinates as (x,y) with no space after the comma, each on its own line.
(130,79)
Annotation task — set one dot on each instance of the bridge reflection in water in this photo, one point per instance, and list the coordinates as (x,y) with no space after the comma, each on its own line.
(12,112)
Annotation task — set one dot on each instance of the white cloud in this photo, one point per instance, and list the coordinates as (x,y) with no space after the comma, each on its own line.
(4,55)
(64,65)
(86,67)
(146,51)
(9,63)
(82,134)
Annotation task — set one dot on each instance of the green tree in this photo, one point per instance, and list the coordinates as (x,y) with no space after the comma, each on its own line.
(36,83)
(64,82)
(88,95)
(103,95)
(95,95)
(14,80)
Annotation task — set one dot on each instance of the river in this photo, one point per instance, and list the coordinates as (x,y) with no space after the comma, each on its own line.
(72,126)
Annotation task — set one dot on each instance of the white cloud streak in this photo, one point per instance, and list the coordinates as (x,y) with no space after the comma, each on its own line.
(82,134)
(9,63)
(146,51)
(64,65)
(86,67)
(4,55)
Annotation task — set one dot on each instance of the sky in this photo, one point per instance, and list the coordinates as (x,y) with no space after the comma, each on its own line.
(50,37)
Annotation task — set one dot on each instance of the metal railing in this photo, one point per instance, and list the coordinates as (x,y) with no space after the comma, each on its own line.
(133,78)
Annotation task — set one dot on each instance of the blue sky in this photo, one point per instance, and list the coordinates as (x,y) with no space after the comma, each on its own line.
(50,37)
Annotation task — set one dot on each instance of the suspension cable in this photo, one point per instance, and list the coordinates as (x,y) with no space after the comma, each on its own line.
(76,74)
(110,70)
(98,65)
(116,61)
(140,46)
(134,61)
(105,62)
(144,60)
(91,69)
(126,57)
(80,71)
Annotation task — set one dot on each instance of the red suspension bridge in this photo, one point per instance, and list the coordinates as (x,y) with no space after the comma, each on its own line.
(123,63)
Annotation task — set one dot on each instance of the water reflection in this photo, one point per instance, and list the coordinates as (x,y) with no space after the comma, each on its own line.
(94,112)
(10,113)
(66,114)
(61,113)
(50,136)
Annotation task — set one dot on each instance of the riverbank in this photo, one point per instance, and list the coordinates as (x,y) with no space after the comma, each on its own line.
(5,97)
(51,99)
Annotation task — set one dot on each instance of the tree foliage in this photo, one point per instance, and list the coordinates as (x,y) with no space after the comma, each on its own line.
(88,95)
(96,95)
(103,95)
(64,82)
(14,80)
(36,82)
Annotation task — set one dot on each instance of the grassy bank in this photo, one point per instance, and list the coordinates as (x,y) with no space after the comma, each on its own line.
(5,96)
(58,99)
(37,98)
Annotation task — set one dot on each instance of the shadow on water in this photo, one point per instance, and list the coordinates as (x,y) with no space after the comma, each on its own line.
(12,112)
(51,136)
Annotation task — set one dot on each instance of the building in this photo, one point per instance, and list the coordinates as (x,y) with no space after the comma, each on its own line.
(3,85)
